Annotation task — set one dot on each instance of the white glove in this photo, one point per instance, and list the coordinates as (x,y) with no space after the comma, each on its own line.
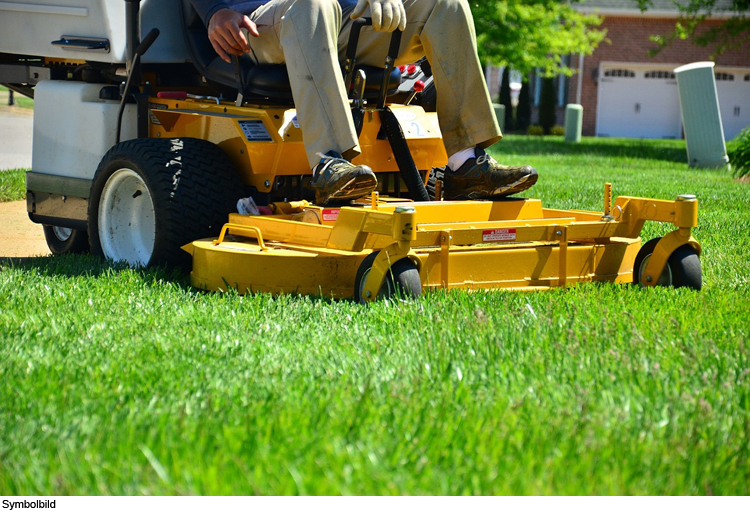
(387,15)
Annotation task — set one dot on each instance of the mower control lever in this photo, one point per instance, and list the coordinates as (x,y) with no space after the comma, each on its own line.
(351,57)
(146,42)
(134,75)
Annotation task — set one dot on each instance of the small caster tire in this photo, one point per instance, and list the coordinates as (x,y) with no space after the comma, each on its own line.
(402,280)
(683,267)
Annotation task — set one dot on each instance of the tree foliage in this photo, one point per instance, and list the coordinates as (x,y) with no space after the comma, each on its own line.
(732,33)
(529,34)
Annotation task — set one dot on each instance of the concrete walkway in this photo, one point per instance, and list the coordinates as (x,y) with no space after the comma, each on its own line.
(16,132)
(19,236)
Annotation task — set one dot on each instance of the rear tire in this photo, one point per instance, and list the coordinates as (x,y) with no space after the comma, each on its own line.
(63,240)
(683,267)
(150,196)
(402,279)
(435,183)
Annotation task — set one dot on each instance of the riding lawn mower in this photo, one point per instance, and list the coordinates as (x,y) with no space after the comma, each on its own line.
(145,145)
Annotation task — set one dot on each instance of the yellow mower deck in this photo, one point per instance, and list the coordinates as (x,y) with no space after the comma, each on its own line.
(511,244)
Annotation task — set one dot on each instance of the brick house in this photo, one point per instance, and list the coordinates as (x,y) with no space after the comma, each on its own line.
(627,93)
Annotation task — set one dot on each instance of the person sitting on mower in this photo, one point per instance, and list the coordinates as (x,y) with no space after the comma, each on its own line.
(310,37)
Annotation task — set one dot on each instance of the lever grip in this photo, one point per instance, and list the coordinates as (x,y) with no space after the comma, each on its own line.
(147,41)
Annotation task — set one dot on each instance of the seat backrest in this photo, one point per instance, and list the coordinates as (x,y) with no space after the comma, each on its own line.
(201,52)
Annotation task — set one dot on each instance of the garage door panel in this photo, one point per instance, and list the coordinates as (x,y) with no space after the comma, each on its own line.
(733,89)
(638,103)
(642,101)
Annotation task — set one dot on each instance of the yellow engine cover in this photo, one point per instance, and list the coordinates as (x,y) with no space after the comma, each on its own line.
(266,142)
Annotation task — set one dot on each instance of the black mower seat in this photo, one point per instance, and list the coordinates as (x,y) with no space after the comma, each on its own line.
(267,81)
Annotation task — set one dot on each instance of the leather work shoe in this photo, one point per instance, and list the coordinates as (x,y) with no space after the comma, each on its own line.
(483,178)
(337,179)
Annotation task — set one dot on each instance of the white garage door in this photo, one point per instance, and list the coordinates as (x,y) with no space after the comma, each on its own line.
(639,101)
(733,88)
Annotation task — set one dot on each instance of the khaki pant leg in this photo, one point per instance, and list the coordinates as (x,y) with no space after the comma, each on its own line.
(304,35)
(442,30)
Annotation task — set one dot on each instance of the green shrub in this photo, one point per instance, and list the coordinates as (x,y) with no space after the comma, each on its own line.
(557,131)
(738,150)
(535,130)
(547,109)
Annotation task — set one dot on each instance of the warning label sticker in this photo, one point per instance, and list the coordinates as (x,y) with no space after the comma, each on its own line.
(330,215)
(255,130)
(498,235)
(153,118)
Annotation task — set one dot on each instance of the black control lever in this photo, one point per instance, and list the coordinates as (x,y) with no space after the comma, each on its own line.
(146,42)
(134,75)
(350,64)
(390,124)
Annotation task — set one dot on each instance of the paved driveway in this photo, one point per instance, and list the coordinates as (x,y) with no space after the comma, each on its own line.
(15,140)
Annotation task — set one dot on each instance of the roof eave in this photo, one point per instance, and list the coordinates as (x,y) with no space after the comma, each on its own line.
(637,13)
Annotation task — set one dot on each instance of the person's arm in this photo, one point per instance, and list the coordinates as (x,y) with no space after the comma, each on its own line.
(225,27)
(206,8)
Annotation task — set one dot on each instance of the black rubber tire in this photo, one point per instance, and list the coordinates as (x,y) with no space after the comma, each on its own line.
(402,280)
(75,242)
(684,266)
(192,184)
(437,174)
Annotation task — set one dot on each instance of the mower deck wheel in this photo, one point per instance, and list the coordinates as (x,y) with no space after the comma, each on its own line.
(683,267)
(402,280)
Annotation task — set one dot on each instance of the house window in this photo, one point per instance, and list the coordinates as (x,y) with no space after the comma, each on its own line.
(620,73)
(724,76)
(660,74)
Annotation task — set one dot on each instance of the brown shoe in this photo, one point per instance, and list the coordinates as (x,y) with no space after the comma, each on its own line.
(482,178)
(337,179)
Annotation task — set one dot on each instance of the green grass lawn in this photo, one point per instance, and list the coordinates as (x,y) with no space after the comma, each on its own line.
(119,381)
(12,185)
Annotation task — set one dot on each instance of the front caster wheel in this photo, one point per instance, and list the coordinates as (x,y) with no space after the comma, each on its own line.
(401,280)
(683,267)
(63,240)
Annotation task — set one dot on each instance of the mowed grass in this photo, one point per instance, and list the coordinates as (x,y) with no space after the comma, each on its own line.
(119,381)
(12,185)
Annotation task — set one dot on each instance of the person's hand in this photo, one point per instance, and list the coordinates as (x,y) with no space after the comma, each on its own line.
(225,33)
(387,15)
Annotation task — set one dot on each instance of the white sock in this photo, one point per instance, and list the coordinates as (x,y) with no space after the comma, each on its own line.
(457,159)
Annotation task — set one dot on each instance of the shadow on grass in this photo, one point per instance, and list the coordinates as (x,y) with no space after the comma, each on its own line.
(73,266)
(663,150)
(89,266)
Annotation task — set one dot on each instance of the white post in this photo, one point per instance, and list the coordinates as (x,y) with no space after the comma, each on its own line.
(701,117)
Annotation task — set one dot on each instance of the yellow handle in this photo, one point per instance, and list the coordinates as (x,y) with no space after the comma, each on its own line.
(242,230)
